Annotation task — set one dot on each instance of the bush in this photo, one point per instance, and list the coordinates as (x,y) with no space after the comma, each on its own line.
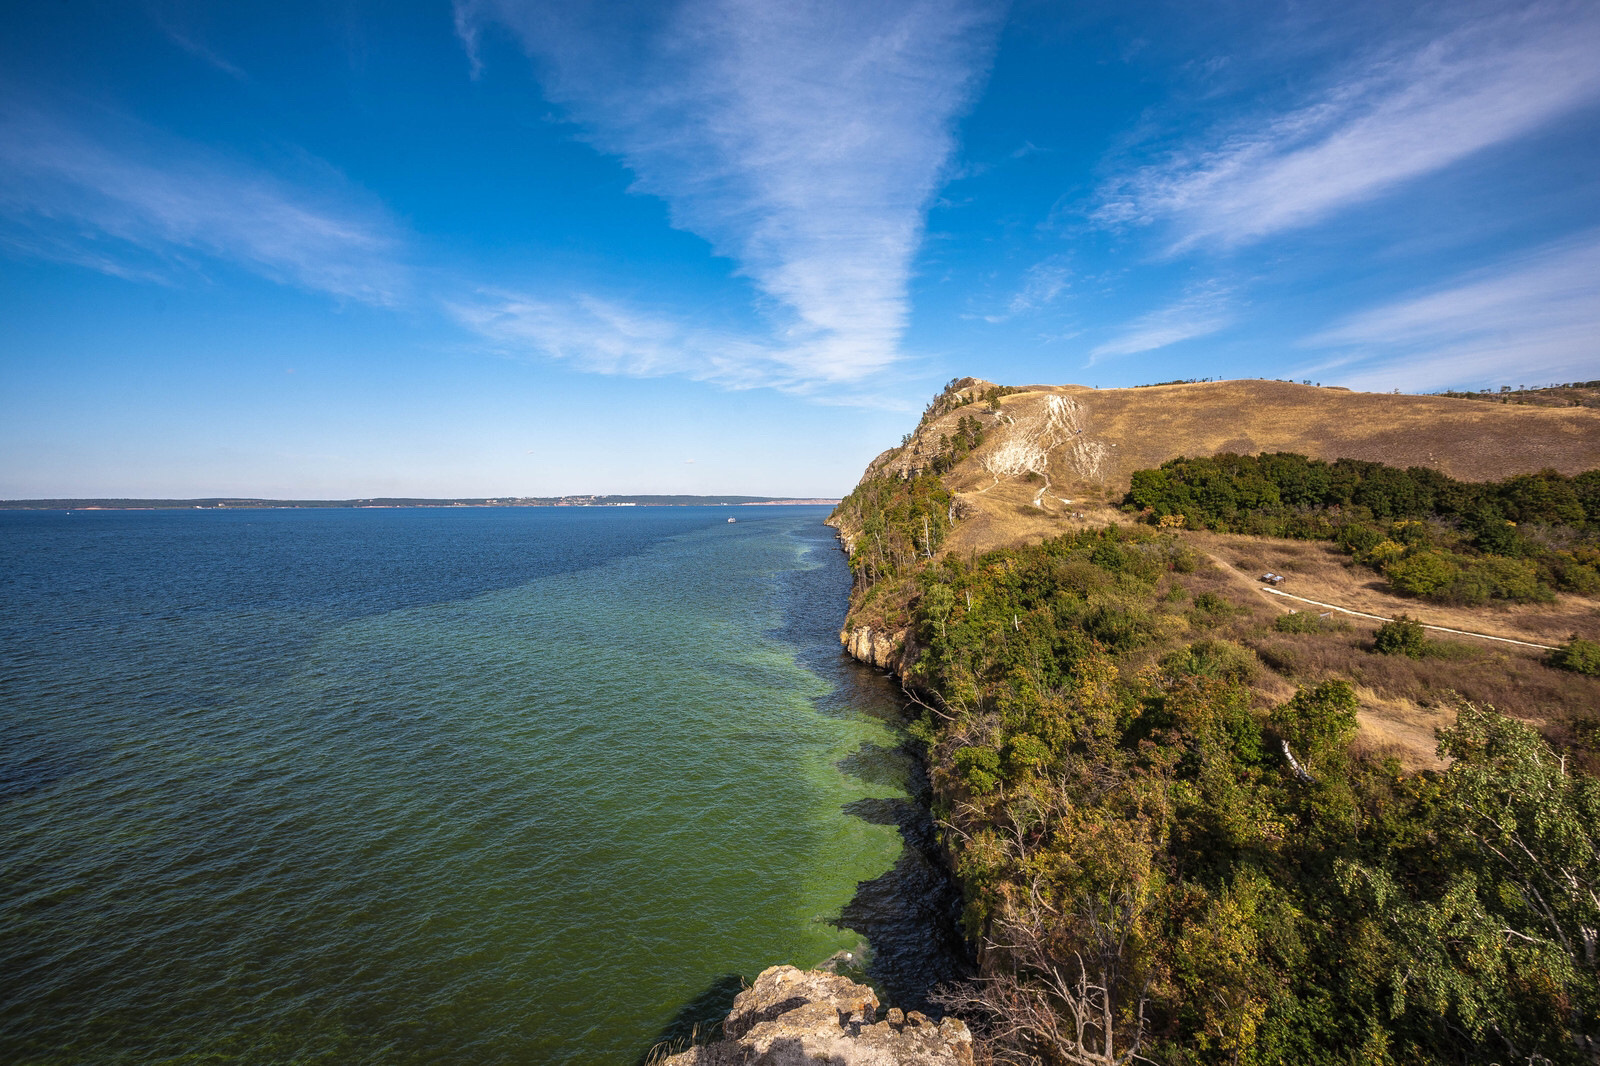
(1403,636)
(1489,578)
(1220,659)
(980,767)
(1319,721)
(1578,655)
(1281,657)
(1304,622)
(1118,626)
(1423,574)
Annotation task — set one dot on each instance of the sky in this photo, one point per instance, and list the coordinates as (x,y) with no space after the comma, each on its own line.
(348,249)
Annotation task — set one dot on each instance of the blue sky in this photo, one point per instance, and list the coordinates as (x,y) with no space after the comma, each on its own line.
(352,249)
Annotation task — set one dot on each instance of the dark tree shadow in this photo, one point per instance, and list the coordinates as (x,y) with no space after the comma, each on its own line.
(698,1021)
(911,914)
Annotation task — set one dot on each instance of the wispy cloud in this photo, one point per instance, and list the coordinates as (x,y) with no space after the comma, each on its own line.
(1391,120)
(607,337)
(1535,319)
(131,202)
(1044,281)
(804,141)
(201,52)
(1203,310)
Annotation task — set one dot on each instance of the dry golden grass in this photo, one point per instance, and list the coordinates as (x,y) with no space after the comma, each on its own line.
(1320,571)
(1466,439)
(1124,430)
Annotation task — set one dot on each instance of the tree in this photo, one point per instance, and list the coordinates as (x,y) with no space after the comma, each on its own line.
(1402,636)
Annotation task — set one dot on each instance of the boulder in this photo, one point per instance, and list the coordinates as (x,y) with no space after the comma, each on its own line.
(793,1017)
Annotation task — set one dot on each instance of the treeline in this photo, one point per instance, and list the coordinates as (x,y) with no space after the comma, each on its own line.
(1159,866)
(1520,540)
(896,521)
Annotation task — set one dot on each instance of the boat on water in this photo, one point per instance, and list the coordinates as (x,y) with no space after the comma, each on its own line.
(732,519)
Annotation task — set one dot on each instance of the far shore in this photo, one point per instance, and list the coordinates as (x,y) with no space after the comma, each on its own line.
(248,504)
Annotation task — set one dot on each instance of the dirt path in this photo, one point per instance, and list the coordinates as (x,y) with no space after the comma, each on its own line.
(1242,581)
(1381,618)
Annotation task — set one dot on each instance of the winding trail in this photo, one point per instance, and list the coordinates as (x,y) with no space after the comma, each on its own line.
(1381,618)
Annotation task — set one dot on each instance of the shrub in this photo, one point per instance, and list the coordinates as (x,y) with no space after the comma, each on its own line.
(1423,574)
(1304,622)
(1578,655)
(980,767)
(1403,636)
(1489,578)
(1220,659)
(1118,626)
(1384,553)
(1358,538)
(1573,576)
(1281,657)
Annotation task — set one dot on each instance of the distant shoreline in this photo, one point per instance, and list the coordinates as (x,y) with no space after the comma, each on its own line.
(231,503)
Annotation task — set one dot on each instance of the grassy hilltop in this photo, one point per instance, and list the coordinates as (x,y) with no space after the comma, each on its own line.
(1344,814)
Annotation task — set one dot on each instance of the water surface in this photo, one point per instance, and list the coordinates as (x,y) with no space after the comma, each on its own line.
(417,786)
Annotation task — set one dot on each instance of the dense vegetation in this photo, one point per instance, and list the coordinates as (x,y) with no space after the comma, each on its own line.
(1163,864)
(1159,865)
(896,521)
(1518,540)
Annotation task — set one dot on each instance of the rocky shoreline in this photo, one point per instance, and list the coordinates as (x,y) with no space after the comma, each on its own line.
(791,1017)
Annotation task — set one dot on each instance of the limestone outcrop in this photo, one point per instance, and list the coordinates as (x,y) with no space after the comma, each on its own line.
(793,1017)
(877,647)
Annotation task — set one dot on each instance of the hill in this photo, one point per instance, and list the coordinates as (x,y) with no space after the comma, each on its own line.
(1045,445)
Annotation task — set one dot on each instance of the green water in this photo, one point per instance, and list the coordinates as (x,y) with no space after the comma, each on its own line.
(532,824)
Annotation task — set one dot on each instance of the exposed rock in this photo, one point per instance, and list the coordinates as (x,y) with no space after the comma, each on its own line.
(877,647)
(792,1017)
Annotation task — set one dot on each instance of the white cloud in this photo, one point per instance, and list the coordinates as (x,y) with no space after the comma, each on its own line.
(1393,120)
(1044,281)
(1535,319)
(129,202)
(1200,312)
(804,141)
(607,337)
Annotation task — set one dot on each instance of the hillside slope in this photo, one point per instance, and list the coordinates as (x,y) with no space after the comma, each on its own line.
(1052,452)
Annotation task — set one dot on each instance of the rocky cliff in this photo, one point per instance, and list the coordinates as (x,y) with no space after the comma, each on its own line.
(792,1017)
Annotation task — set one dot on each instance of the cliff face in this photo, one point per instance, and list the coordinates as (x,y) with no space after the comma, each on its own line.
(792,1017)
(884,648)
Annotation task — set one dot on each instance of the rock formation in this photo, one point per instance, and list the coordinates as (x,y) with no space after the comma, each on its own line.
(878,647)
(792,1017)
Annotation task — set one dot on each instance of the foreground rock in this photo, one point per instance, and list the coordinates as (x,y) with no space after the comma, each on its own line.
(792,1016)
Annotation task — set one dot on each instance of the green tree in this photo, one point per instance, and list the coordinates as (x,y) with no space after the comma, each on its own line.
(1403,636)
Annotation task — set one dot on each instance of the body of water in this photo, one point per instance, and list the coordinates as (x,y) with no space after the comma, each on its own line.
(423,786)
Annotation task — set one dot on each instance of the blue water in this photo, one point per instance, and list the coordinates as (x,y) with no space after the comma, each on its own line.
(406,786)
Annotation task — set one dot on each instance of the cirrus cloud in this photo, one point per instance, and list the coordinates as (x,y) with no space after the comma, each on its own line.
(804,141)
(1390,120)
